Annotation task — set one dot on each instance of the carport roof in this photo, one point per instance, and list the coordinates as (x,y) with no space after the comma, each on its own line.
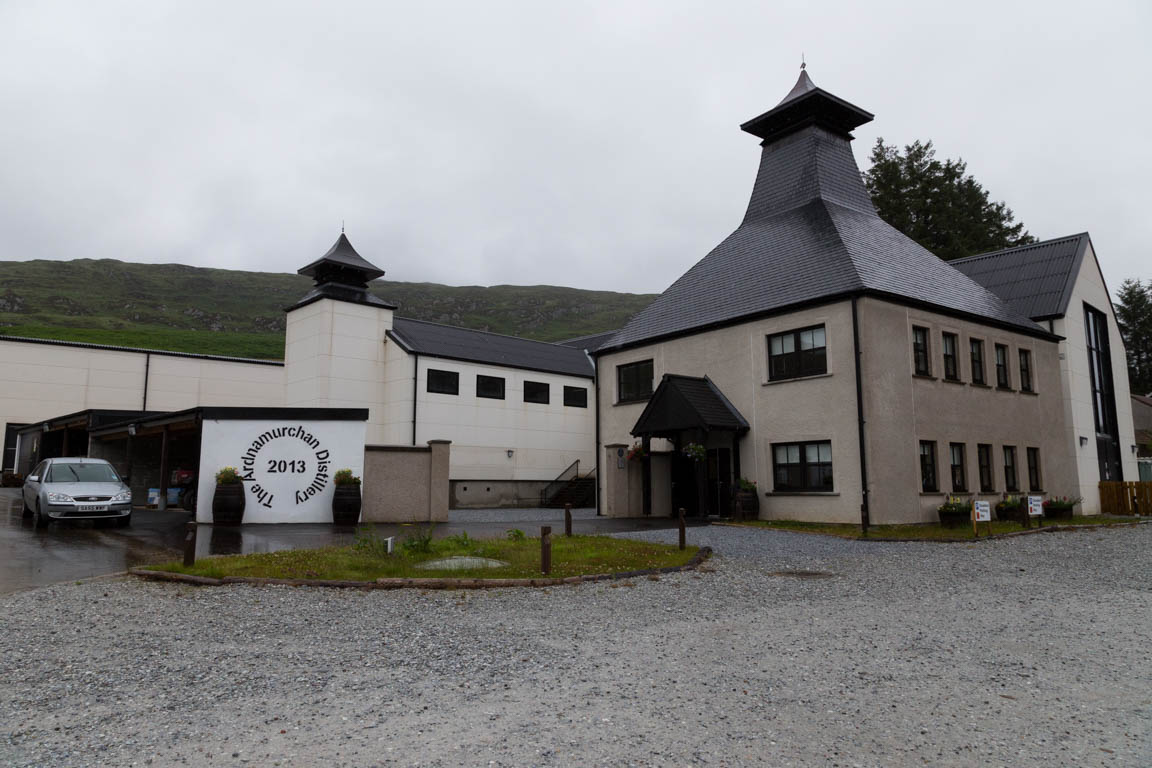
(91,418)
(213,413)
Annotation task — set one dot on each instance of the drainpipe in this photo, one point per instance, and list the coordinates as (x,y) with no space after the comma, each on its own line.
(415,387)
(599,451)
(147,365)
(864,514)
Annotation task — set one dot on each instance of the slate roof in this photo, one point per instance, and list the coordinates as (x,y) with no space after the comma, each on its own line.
(589,343)
(687,402)
(449,342)
(811,234)
(343,255)
(1036,280)
(341,274)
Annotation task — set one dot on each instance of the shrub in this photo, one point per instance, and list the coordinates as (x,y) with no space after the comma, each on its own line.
(515,534)
(955,506)
(227,476)
(419,542)
(746,484)
(368,541)
(1062,502)
(345,477)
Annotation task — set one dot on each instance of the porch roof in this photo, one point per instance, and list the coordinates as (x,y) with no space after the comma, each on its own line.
(688,402)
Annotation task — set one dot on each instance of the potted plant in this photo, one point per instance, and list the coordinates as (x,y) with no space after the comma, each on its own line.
(346,498)
(1011,508)
(747,499)
(1060,507)
(228,500)
(955,512)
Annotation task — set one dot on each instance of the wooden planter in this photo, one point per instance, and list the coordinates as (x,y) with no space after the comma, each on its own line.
(1053,512)
(955,519)
(747,505)
(228,504)
(346,504)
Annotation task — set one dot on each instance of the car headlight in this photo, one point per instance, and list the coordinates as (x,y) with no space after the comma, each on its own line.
(59,498)
(123,496)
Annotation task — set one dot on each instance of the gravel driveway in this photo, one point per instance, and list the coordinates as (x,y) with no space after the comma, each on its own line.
(1028,651)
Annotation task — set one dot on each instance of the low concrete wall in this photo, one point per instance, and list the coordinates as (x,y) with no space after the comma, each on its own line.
(489,494)
(406,484)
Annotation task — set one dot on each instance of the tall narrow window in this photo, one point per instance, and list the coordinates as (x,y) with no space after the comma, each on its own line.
(491,387)
(797,353)
(928,482)
(951,361)
(634,382)
(536,392)
(977,349)
(1025,371)
(959,478)
(1002,380)
(443,382)
(1103,394)
(1033,469)
(1010,483)
(802,466)
(920,359)
(984,456)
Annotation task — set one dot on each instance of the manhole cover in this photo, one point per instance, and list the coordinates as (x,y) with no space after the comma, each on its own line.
(804,574)
(462,563)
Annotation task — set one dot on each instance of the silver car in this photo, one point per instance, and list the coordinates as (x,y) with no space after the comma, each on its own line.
(76,489)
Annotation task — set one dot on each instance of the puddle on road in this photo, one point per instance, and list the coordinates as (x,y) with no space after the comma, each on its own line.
(799,574)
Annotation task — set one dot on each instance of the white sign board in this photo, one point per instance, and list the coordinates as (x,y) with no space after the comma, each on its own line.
(287,466)
(982,511)
(1035,506)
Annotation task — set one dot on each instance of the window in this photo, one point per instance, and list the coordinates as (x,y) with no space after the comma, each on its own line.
(802,466)
(1103,394)
(443,382)
(984,457)
(1034,469)
(951,362)
(959,478)
(1002,380)
(920,351)
(535,392)
(1010,483)
(634,382)
(928,482)
(576,397)
(977,347)
(491,387)
(1025,371)
(797,353)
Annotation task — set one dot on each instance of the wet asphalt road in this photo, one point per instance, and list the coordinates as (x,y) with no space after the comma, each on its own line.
(82,549)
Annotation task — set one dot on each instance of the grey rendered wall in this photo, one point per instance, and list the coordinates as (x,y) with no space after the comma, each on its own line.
(405,484)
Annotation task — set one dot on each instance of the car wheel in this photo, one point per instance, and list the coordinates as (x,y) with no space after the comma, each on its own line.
(39,519)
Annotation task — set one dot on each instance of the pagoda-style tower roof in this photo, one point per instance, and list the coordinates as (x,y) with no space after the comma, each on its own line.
(806,104)
(342,274)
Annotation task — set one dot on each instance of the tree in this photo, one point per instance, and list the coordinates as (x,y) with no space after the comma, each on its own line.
(1134,316)
(937,204)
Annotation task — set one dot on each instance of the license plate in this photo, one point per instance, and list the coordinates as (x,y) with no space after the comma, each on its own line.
(91,507)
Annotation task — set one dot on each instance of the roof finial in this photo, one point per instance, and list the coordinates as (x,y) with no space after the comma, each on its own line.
(802,64)
(341,226)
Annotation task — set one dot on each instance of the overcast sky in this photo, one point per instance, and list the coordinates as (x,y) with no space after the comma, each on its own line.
(586,144)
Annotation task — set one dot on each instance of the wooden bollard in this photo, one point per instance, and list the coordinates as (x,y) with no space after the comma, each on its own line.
(190,544)
(683,531)
(546,549)
(567,519)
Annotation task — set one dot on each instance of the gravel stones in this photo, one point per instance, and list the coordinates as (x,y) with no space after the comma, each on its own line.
(1026,651)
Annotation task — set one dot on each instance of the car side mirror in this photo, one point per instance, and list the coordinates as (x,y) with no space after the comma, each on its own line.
(34,478)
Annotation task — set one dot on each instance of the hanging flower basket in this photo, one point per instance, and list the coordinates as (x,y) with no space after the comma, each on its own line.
(636,452)
(695,451)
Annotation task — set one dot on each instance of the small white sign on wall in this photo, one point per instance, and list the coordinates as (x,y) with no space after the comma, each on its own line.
(1035,506)
(981,511)
(287,466)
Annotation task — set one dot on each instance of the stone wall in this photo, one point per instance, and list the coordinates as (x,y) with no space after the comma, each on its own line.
(406,484)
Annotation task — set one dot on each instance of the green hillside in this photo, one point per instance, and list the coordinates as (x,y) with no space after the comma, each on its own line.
(228,312)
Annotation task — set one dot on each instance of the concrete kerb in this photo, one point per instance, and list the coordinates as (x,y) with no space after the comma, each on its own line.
(428,583)
(1009,535)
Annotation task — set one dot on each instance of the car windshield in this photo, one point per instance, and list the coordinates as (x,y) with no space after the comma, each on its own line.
(81,473)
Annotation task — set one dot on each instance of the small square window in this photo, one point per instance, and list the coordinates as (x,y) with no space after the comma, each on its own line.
(443,382)
(634,382)
(491,387)
(576,397)
(536,392)
(798,353)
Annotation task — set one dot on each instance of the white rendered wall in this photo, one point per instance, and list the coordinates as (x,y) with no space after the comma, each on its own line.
(42,381)
(1075,379)
(544,439)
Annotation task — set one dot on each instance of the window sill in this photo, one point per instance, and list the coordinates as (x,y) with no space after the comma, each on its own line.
(1029,392)
(632,402)
(979,386)
(798,378)
(1004,389)
(933,493)
(801,493)
(926,376)
(952,381)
